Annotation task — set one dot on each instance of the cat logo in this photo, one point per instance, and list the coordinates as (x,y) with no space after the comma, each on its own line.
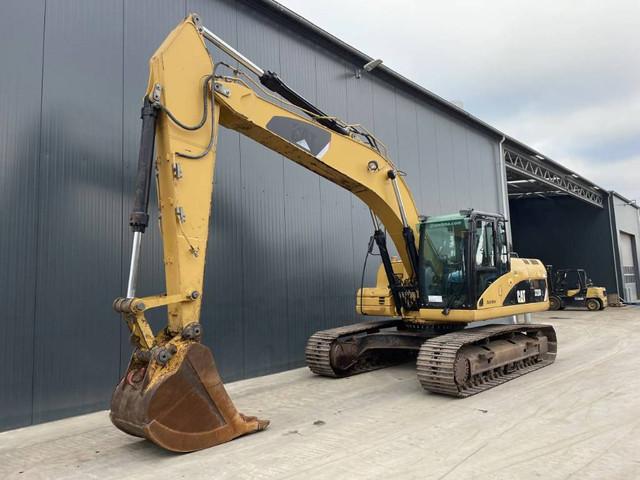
(521,295)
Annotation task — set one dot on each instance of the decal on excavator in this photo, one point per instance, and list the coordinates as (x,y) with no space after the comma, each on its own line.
(527,291)
(313,139)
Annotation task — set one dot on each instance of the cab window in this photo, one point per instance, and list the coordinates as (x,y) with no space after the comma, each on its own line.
(571,280)
(485,244)
(503,253)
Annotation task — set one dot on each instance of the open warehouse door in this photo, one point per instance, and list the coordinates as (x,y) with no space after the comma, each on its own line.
(560,217)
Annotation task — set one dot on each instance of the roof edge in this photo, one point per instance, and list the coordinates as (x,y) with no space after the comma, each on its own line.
(381,71)
(631,203)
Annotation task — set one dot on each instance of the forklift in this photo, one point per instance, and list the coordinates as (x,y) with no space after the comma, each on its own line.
(572,287)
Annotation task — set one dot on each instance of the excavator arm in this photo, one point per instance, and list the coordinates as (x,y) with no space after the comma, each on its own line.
(183,107)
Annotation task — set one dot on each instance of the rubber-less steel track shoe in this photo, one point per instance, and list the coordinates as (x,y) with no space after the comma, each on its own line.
(471,361)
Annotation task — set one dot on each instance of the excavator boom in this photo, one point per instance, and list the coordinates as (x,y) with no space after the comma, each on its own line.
(183,107)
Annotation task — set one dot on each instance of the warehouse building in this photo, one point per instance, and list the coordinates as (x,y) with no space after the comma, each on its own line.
(286,248)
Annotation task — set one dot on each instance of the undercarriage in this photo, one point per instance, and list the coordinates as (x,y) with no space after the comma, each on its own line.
(450,359)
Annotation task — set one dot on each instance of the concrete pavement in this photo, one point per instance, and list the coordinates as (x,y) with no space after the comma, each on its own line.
(578,418)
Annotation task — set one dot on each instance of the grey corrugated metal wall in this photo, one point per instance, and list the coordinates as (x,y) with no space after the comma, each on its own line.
(286,248)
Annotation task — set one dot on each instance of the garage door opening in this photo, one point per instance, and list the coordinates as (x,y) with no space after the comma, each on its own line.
(559,217)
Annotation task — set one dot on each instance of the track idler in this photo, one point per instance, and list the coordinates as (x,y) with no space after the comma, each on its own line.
(176,399)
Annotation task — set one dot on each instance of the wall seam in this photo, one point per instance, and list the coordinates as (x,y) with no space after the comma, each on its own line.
(122,175)
(352,198)
(454,170)
(322,238)
(243,317)
(437,147)
(37,229)
(287,258)
(421,200)
(397,160)
(470,174)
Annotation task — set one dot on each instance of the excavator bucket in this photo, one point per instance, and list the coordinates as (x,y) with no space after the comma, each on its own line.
(183,406)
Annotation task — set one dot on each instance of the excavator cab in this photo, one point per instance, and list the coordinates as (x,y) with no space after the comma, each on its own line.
(460,256)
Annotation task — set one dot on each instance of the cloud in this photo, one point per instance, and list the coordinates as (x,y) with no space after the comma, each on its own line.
(625,173)
(560,75)
(608,129)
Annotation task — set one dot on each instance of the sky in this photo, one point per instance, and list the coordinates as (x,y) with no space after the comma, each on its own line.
(562,76)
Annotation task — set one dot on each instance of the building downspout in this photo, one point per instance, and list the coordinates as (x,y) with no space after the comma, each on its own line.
(505,211)
(505,189)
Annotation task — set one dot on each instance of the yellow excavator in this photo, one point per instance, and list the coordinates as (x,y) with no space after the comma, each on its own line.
(452,270)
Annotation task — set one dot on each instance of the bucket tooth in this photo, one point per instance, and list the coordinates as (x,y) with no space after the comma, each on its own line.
(183,406)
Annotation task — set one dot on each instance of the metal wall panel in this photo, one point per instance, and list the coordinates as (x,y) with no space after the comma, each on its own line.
(445,158)
(484,173)
(462,185)
(384,127)
(384,124)
(265,245)
(302,210)
(429,172)
(360,111)
(80,203)
(338,263)
(20,88)
(458,166)
(408,156)
(286,247)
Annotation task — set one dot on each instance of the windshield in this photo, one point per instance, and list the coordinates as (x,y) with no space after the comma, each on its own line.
(442,269)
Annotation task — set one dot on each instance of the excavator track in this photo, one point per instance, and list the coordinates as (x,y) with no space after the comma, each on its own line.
(323,349)
(446,363)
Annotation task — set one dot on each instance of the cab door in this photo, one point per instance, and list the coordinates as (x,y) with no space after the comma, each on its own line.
(485,255)
(502,248)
